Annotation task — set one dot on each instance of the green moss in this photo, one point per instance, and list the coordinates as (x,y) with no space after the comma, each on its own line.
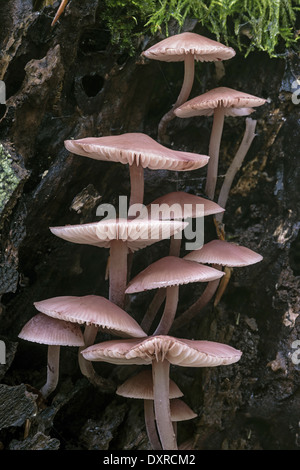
(9,180)
(246,25)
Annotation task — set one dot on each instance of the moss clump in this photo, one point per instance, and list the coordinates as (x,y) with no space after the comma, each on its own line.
(244,24)
(9,180)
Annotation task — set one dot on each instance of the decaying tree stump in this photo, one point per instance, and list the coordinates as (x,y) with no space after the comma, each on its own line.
(69,82)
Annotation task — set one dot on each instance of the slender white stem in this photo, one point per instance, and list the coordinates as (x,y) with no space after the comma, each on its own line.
(137,184)
(195,309)
(189,73)
(160,373)
(169,312)
(150,425)
(118,272)
(152,310)
(213,152)
(236,165)
(52,370)
(175,245)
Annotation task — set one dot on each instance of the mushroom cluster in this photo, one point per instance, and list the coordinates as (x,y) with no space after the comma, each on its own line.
(78,321)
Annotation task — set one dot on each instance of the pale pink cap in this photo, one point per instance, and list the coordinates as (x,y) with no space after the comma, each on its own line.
(182,204)
(181,352)
(180,411)
(140,386)
(91,310)
(47,330)
(176,48)
(235,103)
(136,148)
(171,271)
(224,253)
(137,233)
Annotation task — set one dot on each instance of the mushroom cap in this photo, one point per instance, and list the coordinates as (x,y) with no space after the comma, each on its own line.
(224,253)
(47,330)
(176,48)
(141,387)
(91,310)
(181,205)
(180,411)
(236,103)
(181,352)
(137,233)
(136,148)
(171,271)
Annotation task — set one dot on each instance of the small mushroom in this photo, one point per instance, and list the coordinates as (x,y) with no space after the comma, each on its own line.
(141,387)
(121,236)
(139,151)
(55,333)
(161,351)
(96,313)
(220,102)
(217,253)
(170,272)
(186,47)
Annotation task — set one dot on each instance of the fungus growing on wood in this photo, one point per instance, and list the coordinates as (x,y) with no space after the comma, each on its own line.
(139,151)
(170,272)
(55,333)
(121,236)
(219,102)
(95,312)
(161,351)
(186,47)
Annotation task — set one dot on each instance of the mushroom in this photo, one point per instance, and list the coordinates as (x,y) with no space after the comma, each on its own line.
(120,236)
(161,351)
(170,272)
(177,205)
(218,253)
(220,102)
(186,47)
(55,333)
(95,312)
(140,386)
(139,151)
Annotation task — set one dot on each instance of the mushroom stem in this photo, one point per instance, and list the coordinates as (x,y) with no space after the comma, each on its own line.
(118,272)
(59,12)
(189,72)
(150,425)
(194,309)
(153,308)
(137,184)
(52,370)
(160,373)
(169,312)
(175,245)
(214,150)
(236,165)
(86,367)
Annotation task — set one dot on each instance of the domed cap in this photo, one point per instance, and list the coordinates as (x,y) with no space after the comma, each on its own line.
(136,148)
(91,310)
(183,205)
(235,103)
(180,411)
(141,386)
(47,330)
(137,233)
(171,271)
(176,48)
(224,253)
(181,352)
